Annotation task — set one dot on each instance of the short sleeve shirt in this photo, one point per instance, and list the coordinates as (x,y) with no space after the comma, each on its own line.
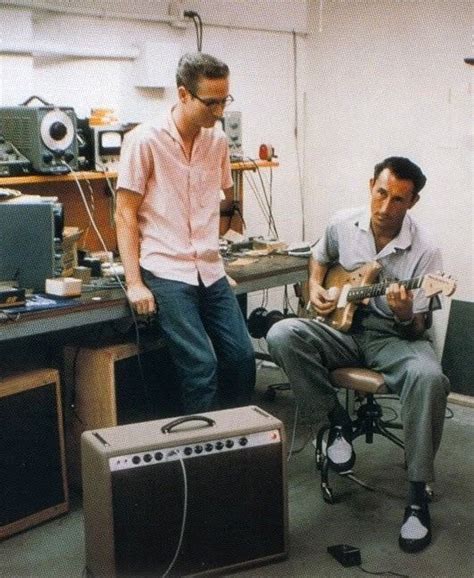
(349,241)
(179,215)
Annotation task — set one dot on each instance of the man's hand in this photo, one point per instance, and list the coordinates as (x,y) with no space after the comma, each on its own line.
(141,299)
(322,302)
(400,301)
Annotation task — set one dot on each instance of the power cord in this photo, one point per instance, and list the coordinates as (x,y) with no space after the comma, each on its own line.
(266,205)
(117,277)
(382,573)
(184,516)
(197,25)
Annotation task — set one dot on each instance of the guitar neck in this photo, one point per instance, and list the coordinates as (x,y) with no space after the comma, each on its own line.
(366,291)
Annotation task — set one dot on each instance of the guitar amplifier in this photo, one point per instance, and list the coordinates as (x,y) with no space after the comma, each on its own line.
(195,495)
(33,485)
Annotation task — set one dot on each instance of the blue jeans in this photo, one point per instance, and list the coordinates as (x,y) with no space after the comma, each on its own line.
(208,341)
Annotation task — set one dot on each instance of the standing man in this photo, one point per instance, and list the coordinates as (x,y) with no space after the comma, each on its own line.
(387,335)
(168,199)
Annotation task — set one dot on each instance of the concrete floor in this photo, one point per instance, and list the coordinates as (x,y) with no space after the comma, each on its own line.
(369,520)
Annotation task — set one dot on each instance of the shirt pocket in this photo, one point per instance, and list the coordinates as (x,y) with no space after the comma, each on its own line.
(208,184)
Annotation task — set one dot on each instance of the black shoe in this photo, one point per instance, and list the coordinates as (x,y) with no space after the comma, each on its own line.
(415,533)
(339,451)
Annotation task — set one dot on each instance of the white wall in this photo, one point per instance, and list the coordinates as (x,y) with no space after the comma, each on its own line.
(375,78)
(388,77)
(262,82)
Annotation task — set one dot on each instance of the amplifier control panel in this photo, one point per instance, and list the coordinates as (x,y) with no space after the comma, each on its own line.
(192,450)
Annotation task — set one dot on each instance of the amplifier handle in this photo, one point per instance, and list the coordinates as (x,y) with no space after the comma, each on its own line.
(166,429)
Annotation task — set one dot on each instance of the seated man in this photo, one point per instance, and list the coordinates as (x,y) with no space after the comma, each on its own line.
(387,334)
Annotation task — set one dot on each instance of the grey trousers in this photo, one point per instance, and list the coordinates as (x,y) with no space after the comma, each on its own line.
(307,350)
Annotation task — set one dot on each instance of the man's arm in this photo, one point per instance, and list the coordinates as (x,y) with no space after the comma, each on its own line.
(128,240)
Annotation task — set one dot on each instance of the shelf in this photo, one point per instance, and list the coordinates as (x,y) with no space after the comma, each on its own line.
(40,179)
(94,176)
(252,165)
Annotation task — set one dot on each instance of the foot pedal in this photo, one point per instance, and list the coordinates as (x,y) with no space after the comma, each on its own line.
(345,554)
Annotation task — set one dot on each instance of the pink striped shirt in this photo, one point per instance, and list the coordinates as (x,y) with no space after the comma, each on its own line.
(179,215)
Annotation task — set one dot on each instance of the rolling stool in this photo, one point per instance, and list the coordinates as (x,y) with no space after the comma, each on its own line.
(366,383)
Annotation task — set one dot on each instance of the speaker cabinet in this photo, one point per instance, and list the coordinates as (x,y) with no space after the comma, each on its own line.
(199,495)
(110,385)
(32,464)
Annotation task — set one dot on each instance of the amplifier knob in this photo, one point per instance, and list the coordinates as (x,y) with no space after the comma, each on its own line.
(158,456)
(198,449)
(147,458)
(229,444)
(208,447)
(243,441)
(188,451)
(219,445)
(136,459)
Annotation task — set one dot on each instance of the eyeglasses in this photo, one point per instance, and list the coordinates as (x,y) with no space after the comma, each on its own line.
(213,102)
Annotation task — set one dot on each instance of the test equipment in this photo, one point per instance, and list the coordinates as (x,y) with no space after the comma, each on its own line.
(194,495)
(101,146)
(12,162)
(46,135)
(232,126)
(30,243)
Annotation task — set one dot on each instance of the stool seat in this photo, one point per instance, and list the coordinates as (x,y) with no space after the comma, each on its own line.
(368,423)
(358,379)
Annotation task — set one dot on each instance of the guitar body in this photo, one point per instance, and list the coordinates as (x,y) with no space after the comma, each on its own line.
(341,318)
(349,288)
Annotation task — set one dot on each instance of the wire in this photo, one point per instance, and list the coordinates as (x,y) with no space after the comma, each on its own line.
(92,207)
(102,242)
(197,25)
(296,135)
(383,573)
(185,513)
(103,170)
(293,434)
(264,203)
(267,197)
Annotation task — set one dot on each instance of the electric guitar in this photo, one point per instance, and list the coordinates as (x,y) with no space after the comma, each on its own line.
(350,288)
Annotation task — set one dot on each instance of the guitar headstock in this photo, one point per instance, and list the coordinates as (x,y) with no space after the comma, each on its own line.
(438,283)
